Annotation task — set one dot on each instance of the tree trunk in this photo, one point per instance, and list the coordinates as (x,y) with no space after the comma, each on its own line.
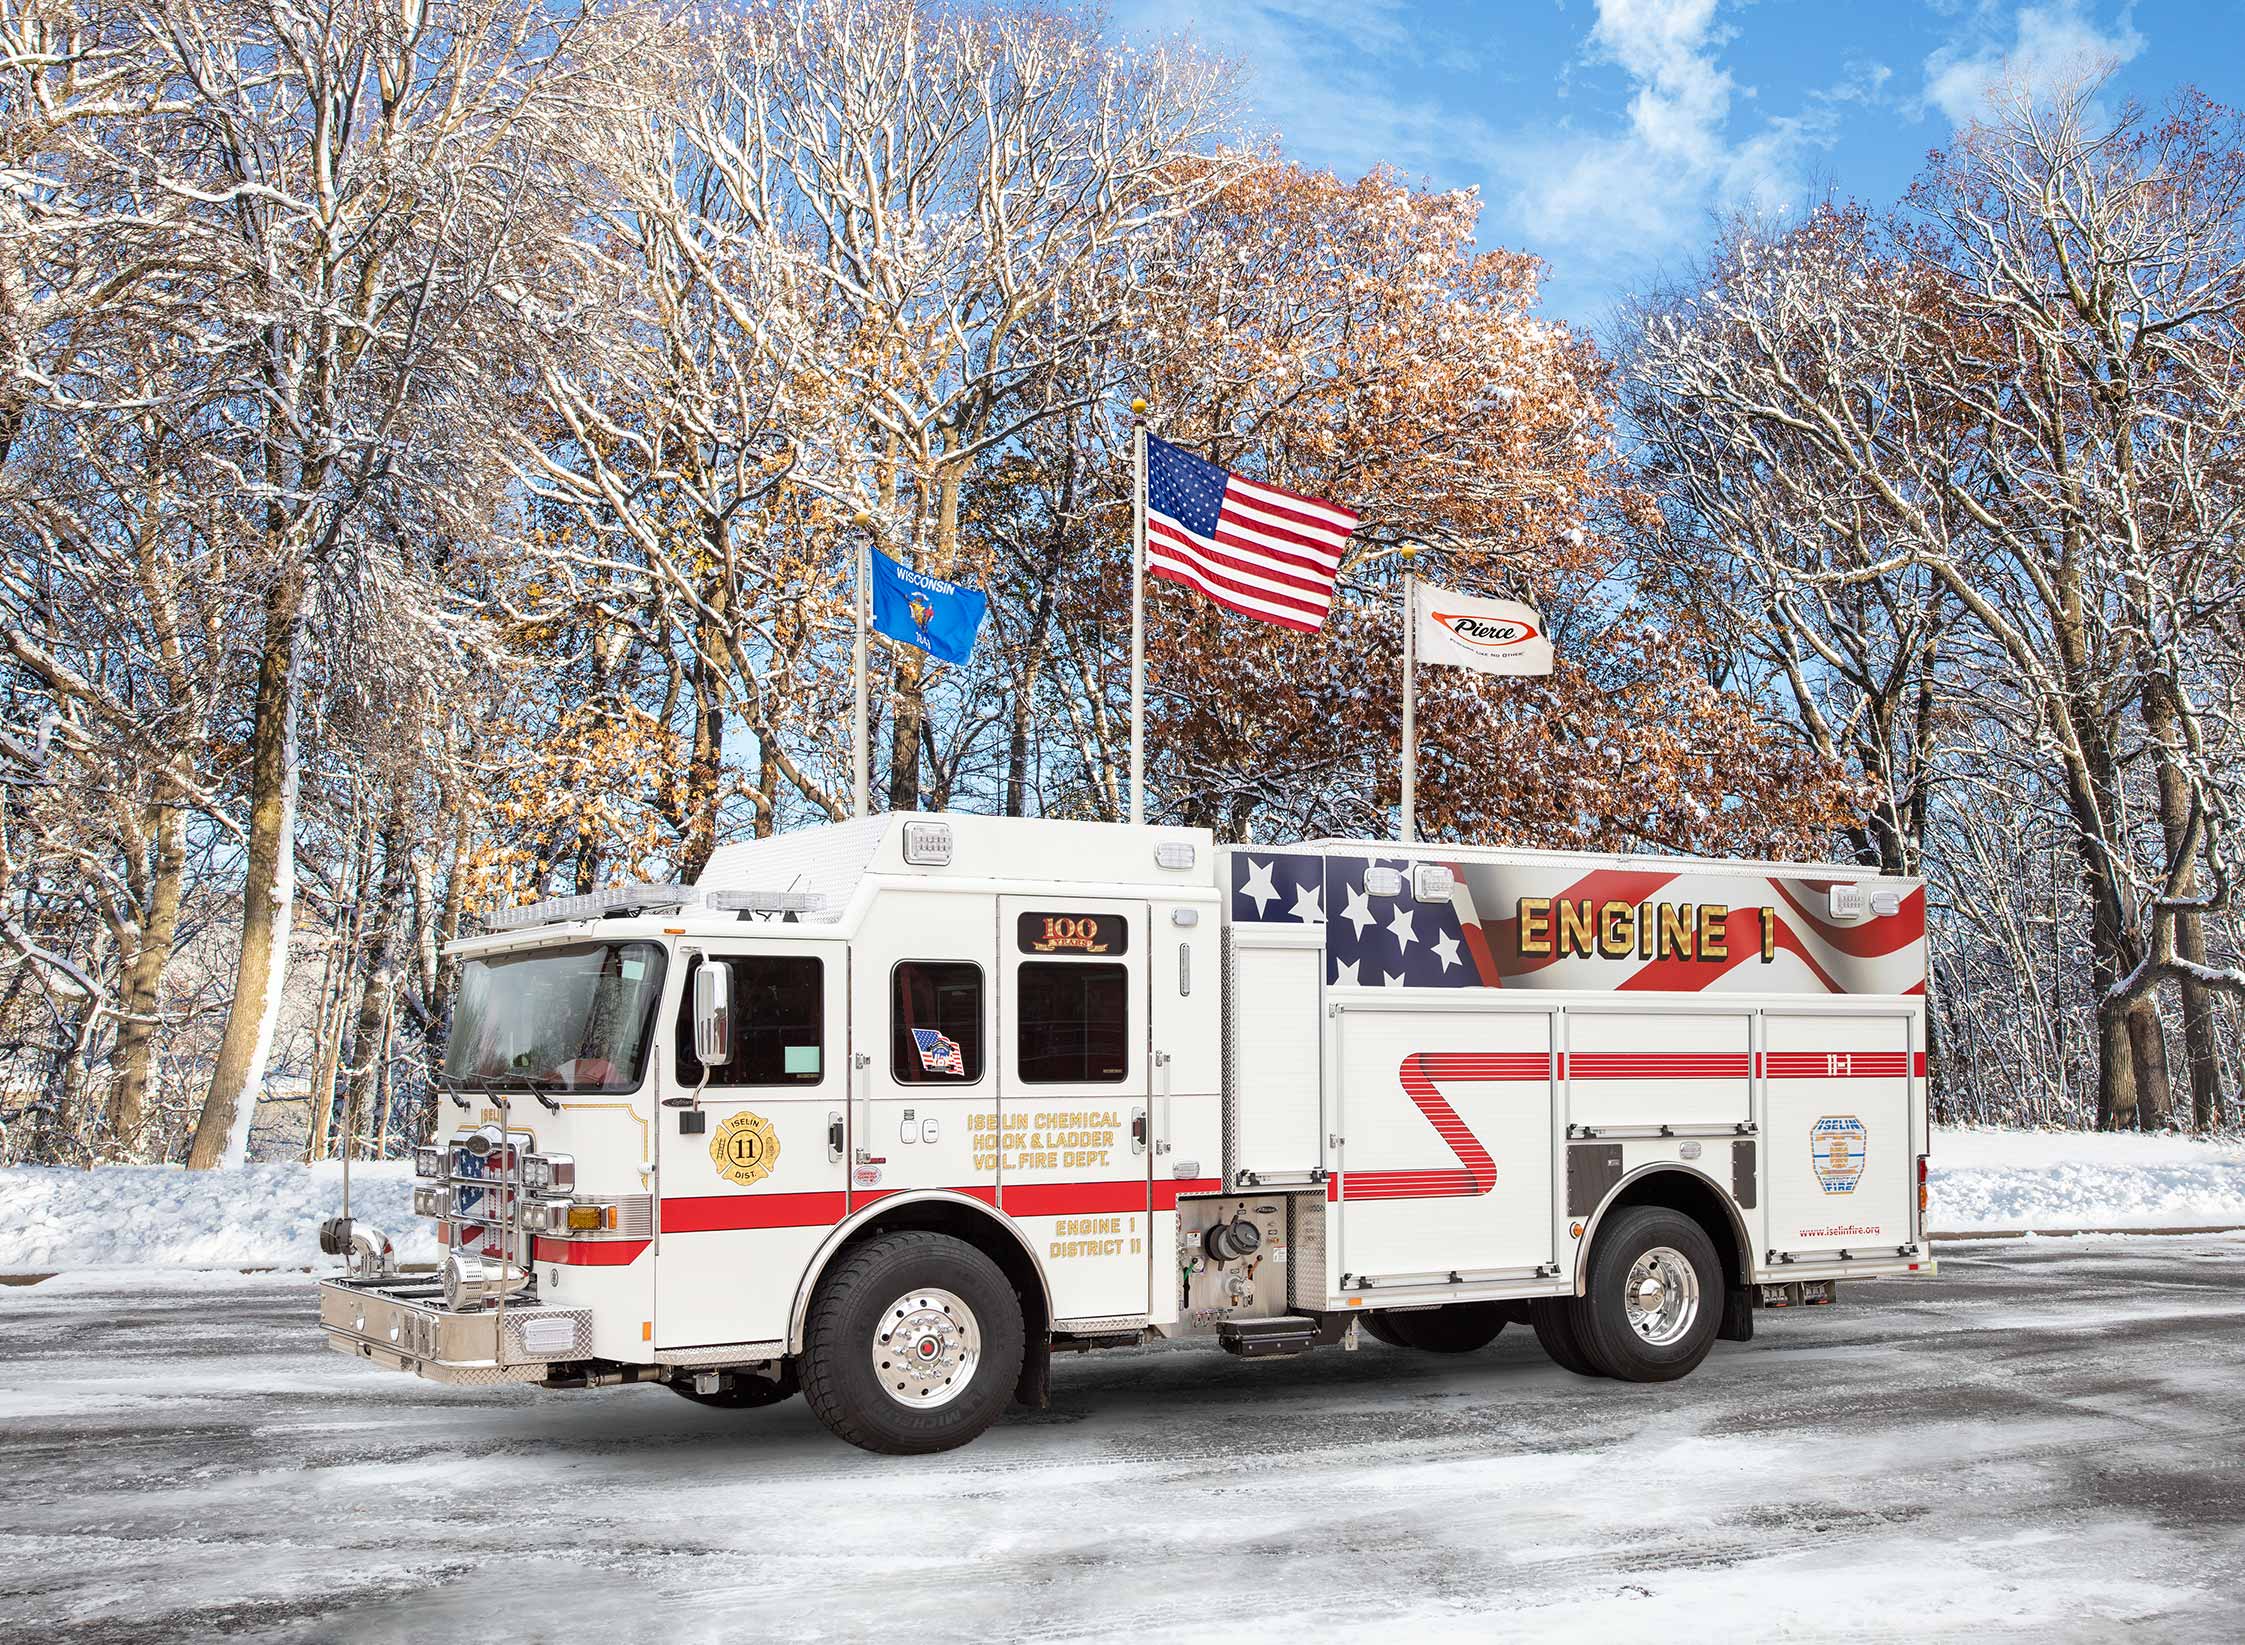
(2147,1046)
(268,889)
(135,1053)
(369,1042)
(2201,1043)
(337,978)
(705,771)
(904,729)
(2116,1080)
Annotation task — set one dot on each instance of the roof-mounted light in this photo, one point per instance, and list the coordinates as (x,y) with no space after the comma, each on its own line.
(927,844)
(594,905)
(764,902)
(1432,882)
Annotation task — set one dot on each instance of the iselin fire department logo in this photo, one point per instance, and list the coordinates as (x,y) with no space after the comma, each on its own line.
(744,1149)
(1837,1147)
(1490,634)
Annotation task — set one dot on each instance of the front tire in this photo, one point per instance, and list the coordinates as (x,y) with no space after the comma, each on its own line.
(1655,1297)
(913,1344)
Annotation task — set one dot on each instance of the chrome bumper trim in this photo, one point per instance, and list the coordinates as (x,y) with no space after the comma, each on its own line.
(401,1324)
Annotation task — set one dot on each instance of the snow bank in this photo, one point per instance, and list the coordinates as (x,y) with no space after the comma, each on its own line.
(2083,1179)
(259,1216)
(268,1216)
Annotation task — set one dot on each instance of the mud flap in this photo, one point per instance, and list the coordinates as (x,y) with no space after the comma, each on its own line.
(1738,1315)
(1034,1386)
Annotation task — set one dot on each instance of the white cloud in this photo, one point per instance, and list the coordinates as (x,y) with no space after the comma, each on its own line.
(2049,45)
(1621,194)
(1330,75)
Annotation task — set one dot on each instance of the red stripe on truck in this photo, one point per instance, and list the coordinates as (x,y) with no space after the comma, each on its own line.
(588,1253)
(713,1213)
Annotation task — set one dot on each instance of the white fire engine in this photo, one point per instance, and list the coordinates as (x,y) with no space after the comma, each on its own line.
(887,1112)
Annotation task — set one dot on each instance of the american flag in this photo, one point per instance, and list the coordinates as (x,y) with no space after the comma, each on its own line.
(1250,547)
(939,1052)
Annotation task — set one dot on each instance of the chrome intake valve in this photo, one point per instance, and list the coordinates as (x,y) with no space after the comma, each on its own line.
(1230,1241)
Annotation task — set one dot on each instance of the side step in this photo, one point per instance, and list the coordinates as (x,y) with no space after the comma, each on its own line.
(1270,1338)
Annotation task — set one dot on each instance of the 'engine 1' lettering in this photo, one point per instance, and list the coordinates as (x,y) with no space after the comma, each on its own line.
(1585,928)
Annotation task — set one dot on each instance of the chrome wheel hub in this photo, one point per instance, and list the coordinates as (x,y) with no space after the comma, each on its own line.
(1662,1297)
(926,1348)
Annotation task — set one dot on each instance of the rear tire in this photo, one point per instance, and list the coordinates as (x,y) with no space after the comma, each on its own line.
(748,1392)
(1454,1328)
(1554,1322)
(1655,1297)
(913,1344)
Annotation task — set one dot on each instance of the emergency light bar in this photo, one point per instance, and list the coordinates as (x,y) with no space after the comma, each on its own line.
(594,905)
(652,899)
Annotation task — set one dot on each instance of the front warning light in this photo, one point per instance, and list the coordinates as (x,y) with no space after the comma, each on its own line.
(582,1217)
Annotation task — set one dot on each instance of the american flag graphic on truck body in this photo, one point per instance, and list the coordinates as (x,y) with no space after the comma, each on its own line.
(1250,547)
(1658,926)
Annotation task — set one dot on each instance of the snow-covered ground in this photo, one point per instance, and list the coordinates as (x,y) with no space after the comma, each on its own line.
(2036,1445)
(261,1216)
(2073,1179)
(268,1216)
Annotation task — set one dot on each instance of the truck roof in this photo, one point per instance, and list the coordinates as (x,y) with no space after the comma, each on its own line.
(809,876)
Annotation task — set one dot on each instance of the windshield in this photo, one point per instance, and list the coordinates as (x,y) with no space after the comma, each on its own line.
(575,1019)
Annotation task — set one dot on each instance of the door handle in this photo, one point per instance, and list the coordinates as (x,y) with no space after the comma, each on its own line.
(834,1131)
(1138,1130)
(861,1072)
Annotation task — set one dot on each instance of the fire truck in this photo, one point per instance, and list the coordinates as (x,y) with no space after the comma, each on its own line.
(891,1111)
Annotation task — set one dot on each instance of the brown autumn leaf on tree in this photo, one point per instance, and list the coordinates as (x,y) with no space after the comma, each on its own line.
(1347,340)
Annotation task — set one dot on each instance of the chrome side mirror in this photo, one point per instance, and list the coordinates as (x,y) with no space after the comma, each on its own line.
(713,1013)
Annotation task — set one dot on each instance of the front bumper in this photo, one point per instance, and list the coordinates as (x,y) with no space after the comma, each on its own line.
(401,1324)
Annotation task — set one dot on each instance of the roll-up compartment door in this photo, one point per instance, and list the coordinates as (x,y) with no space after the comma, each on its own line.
(1273,1119)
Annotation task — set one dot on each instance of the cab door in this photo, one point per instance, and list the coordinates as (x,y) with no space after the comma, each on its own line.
(749,1152)
(924,1081)
(1073,1096)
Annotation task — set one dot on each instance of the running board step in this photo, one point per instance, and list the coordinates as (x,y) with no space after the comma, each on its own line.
(1269,1338)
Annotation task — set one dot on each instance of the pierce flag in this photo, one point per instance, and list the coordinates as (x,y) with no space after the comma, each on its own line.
(1493,636)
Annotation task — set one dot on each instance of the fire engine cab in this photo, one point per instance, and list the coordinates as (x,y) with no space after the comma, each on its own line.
(887,1112)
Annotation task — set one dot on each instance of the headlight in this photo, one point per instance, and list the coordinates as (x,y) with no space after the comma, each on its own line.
(544,1171)
(428,1160)
(428,1200)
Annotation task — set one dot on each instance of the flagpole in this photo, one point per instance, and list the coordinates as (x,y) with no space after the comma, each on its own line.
(1410,553)
(860,781)
(1138,611)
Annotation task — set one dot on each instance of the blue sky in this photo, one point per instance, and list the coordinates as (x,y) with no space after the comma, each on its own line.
(1604,135)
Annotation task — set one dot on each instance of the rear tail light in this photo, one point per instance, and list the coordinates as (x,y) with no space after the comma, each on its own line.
(1922,1195)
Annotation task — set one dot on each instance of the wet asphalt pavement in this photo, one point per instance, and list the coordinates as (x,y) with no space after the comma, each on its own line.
(2045,1442)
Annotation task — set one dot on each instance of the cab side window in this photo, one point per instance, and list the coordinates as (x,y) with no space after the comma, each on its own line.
(779,1021)
(935,1022)
(1074,1023)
